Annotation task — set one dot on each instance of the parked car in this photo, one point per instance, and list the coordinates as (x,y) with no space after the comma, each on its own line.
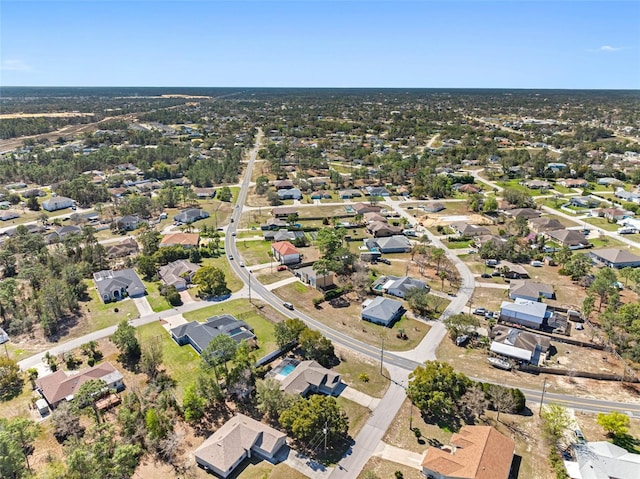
(489,314)
(579,327)
(537,264)
(480,311)
(281,268)
(579,436)
(486,275)
(491,262)
(384,260)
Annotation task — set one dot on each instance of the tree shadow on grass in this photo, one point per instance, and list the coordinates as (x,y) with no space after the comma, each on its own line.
(627,442)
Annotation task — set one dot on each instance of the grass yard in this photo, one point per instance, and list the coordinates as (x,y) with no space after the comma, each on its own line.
(103,315)
(271,275)
(602,223)
(221,262)
(400,435)
(562,189)
(256,469)
(607,242)
(157,302)
(352,366)
(356,413)
(458,244)
(254,252)
(381,468)
(181,362)
(347,320)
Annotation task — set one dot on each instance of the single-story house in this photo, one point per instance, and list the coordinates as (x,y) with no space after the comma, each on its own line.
(466,229)
(290,194)
(186,240)
(178,273)
(283,184)
(527,213)
(7,215)
(125,248)
(273,224)
(573,239)
(306,377)
(521,345)
(57,203)
(239,438)
(616,258)
(614,214)
(320,195)
(190,215)
(372,217)
(596,460)
(116,285)
(433,207)
(476,452)
(33,193)
(606,181)
(584,202)
(382,311)
(199,335)
(573,183)
(128,222)
(480,241)
(62,232)
(537,184)
(515,271)
(362,208)
(314,279)
(284,211)
(380,229)
(469,188)
(203,193)
(377,191)
(285,253)
(59,386)
(525,312)
(545,223)
(630,196)
(349,193)
(390,244)
(397,286)
(530,290)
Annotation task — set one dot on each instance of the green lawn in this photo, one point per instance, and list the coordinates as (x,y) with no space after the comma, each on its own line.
(104,315)
(242,309)
(606,242)
(158,303)
(356,413)
(254,252)
(602,223)
(351,367)
(458,244)
(233,282)
(562,189)
(181,362)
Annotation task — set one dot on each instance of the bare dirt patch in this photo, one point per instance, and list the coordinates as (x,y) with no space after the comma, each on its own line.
(68,114)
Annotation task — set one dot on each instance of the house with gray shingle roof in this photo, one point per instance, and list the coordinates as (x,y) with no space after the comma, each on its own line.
(530,290)
(389,244)
(190,215)
(382,311)
(117,285)
(616,258)
(239,438)
(307,377)
(199,335)
(178,273)
(397,286)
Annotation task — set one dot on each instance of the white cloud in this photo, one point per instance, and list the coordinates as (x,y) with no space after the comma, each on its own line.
(607,49)
(15,65)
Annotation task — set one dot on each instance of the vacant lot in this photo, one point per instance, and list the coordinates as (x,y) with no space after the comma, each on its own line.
(386,469)
(353,366)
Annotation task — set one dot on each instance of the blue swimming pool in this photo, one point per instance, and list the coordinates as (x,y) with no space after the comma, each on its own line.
(285,371)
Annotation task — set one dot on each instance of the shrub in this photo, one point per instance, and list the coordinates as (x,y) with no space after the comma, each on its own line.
(318,301)
(333,293)
(364,377)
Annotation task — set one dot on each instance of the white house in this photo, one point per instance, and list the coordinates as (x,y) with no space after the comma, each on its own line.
(285,253)
(524,312)
(57,203)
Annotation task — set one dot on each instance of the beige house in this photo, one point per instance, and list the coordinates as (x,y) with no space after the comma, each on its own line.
(239,438)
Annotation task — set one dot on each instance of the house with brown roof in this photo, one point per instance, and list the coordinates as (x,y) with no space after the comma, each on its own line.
(284,211)
(362,208)
(545,223)
(186,240)
(241,437)
(466,229)
(573,183)
(126,247)
(380,229)
(285,253)
(570,238)
(476,452)
(527,213)
(58,387)
(469,188)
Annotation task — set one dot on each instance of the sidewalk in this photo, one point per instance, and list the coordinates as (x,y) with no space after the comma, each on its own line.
(281,283)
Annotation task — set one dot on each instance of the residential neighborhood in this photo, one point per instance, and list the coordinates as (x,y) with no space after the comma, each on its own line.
(233,288)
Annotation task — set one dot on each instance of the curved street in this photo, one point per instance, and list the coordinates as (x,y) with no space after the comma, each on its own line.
(399,364)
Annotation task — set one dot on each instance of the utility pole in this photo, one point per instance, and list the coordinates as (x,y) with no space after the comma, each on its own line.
(381,357)
(325,430)
(249,286)
(544,387)
(410,416)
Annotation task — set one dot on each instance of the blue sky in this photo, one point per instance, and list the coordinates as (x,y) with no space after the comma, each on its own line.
(430,44)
